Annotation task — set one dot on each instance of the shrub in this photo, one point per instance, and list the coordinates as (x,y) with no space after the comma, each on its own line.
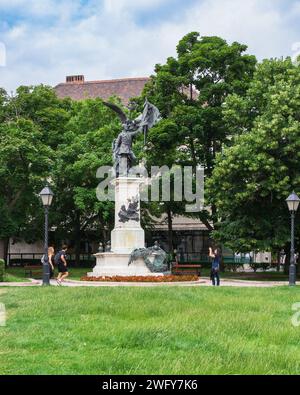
(256,266)
(2,270)
(233,267)
(144,279)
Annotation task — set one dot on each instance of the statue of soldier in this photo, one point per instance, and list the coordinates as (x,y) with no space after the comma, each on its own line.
(123,155)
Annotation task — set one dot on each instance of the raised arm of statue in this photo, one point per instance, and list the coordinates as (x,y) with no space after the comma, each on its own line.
(137,129)
(136,132)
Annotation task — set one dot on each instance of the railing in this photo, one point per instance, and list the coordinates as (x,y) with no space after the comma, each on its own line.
(194,257)
(202,258)
(22,259)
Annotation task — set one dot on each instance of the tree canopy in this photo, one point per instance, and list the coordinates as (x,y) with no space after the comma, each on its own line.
(220,109)
(190,91)
(255,175)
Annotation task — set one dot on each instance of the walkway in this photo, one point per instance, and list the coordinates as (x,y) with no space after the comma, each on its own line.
(204,282)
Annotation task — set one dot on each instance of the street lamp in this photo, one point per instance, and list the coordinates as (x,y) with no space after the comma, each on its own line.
(46,196)
(293,202)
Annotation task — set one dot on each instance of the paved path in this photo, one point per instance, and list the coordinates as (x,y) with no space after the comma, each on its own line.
(204,282)
(30,283)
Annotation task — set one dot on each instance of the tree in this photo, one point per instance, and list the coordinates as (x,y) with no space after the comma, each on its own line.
(24,162)
(190,91)
(254,176)
(85,147)
(160,152)
(32,122)
(41,105)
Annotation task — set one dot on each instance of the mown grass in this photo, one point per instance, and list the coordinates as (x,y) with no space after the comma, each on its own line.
(14,275)
(251,276)
(161,330)
(18,274)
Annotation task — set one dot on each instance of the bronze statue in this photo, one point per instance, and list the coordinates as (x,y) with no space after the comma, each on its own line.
(123,155)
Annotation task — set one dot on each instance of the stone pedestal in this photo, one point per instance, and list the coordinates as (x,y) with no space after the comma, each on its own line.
(127,234)
(116,264)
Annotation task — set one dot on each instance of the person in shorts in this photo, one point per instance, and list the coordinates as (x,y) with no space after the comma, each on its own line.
(62,265)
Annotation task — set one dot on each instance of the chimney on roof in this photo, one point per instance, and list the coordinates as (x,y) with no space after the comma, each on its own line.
(71,79)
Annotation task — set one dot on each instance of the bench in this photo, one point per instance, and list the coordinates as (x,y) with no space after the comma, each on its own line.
(178,269)
(33,271)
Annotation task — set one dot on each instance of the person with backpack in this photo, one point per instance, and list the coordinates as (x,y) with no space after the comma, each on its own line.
(61,262)
(215,267)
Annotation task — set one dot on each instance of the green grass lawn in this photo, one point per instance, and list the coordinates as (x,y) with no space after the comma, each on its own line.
(14,275)
(161,330)
(17,274)
(251,276)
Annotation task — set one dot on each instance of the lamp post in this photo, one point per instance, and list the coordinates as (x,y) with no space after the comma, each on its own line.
(293,202)
(46,196)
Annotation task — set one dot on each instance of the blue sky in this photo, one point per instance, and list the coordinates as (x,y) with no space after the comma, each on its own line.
(46,40)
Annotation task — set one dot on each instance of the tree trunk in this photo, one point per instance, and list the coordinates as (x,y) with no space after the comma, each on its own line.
(205,222)
(287,259)
(278,261)
(4,249)
(77,240)
(170,231)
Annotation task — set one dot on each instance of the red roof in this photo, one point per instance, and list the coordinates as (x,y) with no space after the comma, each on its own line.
(124,88)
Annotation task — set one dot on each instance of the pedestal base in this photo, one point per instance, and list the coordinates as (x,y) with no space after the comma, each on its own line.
(111,264)
(124,241)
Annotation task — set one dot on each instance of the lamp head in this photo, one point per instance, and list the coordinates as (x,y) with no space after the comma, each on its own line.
(46,196)
(293,202)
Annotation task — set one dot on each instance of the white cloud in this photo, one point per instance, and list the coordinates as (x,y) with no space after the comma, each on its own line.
(41,8)
(107,42)
(2,55)
(116,6)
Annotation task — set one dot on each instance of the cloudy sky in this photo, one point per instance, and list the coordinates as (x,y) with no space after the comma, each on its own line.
(45,40)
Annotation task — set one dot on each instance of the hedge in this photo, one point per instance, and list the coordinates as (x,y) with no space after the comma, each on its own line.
(2,270)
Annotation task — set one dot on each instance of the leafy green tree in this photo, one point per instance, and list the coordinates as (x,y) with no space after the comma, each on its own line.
(32,123)
(41,105)
(190,91)
(24,162)
(254,176)
(161,151)
(86,146)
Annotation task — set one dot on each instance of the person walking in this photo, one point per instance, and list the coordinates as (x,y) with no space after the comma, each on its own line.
(60,260)
(51,261)
(215,266)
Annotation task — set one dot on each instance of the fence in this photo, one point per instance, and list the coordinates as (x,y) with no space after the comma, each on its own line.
(88,260)
(204,259)
(15,260)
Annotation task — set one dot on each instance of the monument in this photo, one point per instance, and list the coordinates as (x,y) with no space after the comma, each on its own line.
(128,255)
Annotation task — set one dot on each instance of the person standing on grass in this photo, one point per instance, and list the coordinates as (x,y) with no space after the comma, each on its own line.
(60,260)
(215,266)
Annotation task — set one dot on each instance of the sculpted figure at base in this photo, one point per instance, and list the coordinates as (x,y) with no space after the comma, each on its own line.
(159,257)
(131,213)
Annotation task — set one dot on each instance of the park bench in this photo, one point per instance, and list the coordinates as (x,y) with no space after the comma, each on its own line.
(187,269)
(33,271)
